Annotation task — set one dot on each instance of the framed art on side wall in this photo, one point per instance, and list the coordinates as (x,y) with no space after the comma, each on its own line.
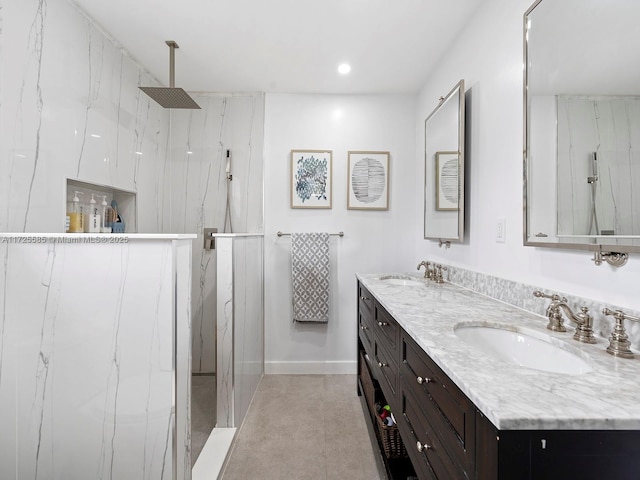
(447,182)
(368,181)
(311,178)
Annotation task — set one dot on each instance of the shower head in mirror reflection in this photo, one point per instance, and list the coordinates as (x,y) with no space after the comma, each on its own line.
(578,118)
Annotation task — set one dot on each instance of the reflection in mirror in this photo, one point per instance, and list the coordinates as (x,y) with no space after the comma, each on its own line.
(582,125)
(444,169)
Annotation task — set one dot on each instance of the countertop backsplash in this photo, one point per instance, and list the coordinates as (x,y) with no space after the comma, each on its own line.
(521,295)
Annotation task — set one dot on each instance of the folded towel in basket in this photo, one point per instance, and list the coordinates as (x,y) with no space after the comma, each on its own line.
(310,277)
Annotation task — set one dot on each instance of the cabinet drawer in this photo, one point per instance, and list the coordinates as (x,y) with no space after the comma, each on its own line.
(365,332)
(387,330)
(426,449)
(449,411)
(387,373)
(365,301)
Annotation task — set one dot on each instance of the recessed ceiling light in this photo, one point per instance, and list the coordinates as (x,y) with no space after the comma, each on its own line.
(344,68)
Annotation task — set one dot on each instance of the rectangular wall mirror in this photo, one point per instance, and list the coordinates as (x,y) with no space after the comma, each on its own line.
(444,169)
(582,125)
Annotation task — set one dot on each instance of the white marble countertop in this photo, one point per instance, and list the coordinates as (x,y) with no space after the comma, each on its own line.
(511,396)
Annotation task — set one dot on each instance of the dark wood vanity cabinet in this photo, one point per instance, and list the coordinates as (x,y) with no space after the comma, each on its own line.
(448,438)
(561,454)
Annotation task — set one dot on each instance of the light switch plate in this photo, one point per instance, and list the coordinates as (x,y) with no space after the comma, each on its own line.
(501,229)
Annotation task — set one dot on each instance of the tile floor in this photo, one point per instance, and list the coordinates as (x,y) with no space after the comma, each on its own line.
(304,427)
(203,411)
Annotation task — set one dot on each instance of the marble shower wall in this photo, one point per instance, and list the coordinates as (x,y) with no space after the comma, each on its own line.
(199,141)
(610,127)
(70,107)
(95,375)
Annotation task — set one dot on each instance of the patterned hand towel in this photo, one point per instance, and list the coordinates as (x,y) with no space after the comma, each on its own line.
(310,277)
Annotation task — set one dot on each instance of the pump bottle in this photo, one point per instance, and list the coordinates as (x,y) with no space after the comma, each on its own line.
(76,220)
(92,222)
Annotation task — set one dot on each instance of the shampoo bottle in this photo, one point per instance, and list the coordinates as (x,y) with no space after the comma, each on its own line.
(92,222)
(76,222)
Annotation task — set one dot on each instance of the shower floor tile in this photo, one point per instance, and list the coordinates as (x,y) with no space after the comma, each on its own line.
(203,411)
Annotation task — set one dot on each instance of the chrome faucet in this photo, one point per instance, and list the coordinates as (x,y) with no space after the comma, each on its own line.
(619,344)
(584,321)
(428,272)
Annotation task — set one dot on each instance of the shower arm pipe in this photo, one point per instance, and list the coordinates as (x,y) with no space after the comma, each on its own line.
(339,234)
(172,62)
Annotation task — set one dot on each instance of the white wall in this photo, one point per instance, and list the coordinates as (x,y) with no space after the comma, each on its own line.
(488,55)
(374,241)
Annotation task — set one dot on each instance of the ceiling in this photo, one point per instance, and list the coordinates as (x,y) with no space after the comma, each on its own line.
(286,46)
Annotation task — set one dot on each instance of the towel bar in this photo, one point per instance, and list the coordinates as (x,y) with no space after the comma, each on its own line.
(339,234)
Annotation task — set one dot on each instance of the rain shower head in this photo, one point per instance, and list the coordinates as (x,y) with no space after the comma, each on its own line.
(171,96)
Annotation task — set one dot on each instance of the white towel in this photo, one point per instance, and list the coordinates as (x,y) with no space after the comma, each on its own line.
(310,277)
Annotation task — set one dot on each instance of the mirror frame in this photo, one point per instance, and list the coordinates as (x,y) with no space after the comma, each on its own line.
(613,254)
(458,90)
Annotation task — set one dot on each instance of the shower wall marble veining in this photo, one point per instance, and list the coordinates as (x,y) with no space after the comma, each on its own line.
(199,141)
(608,128)
(71,108)
(93,389)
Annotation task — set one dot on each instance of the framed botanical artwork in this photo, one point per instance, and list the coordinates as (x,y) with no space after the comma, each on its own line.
(368,181)
(447,183)
(311,178)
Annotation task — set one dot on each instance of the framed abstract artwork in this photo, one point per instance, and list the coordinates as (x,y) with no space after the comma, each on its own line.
(447,183)
(368,181)
(311,178)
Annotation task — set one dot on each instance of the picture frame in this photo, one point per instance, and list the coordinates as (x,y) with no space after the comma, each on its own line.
(368,180)
(310,184)
(447,181)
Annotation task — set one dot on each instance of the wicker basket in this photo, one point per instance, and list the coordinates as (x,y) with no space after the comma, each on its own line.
(391,441)
(390,436)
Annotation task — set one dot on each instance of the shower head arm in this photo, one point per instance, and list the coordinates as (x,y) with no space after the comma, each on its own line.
(172,62)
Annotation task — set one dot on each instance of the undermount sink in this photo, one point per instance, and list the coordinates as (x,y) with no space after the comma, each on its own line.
(524,347)
(401,280)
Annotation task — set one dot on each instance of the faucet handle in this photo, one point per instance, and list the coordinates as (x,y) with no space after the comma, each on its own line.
(553,311)
(584,330)
(619,344)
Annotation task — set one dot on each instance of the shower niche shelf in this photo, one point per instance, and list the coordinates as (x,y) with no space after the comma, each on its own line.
(126,200)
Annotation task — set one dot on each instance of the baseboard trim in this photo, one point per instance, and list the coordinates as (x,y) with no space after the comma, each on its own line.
(311,368)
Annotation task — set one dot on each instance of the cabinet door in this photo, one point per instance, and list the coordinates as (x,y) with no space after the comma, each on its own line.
(427,452)
(387,330)
(450,412)
(365,301)
(386,373)
(365,332)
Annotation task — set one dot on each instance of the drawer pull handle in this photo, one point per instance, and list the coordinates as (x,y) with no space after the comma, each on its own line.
(381,364)
(364,298)
(422,447)
(383,324)
(421,380)
(363,327)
